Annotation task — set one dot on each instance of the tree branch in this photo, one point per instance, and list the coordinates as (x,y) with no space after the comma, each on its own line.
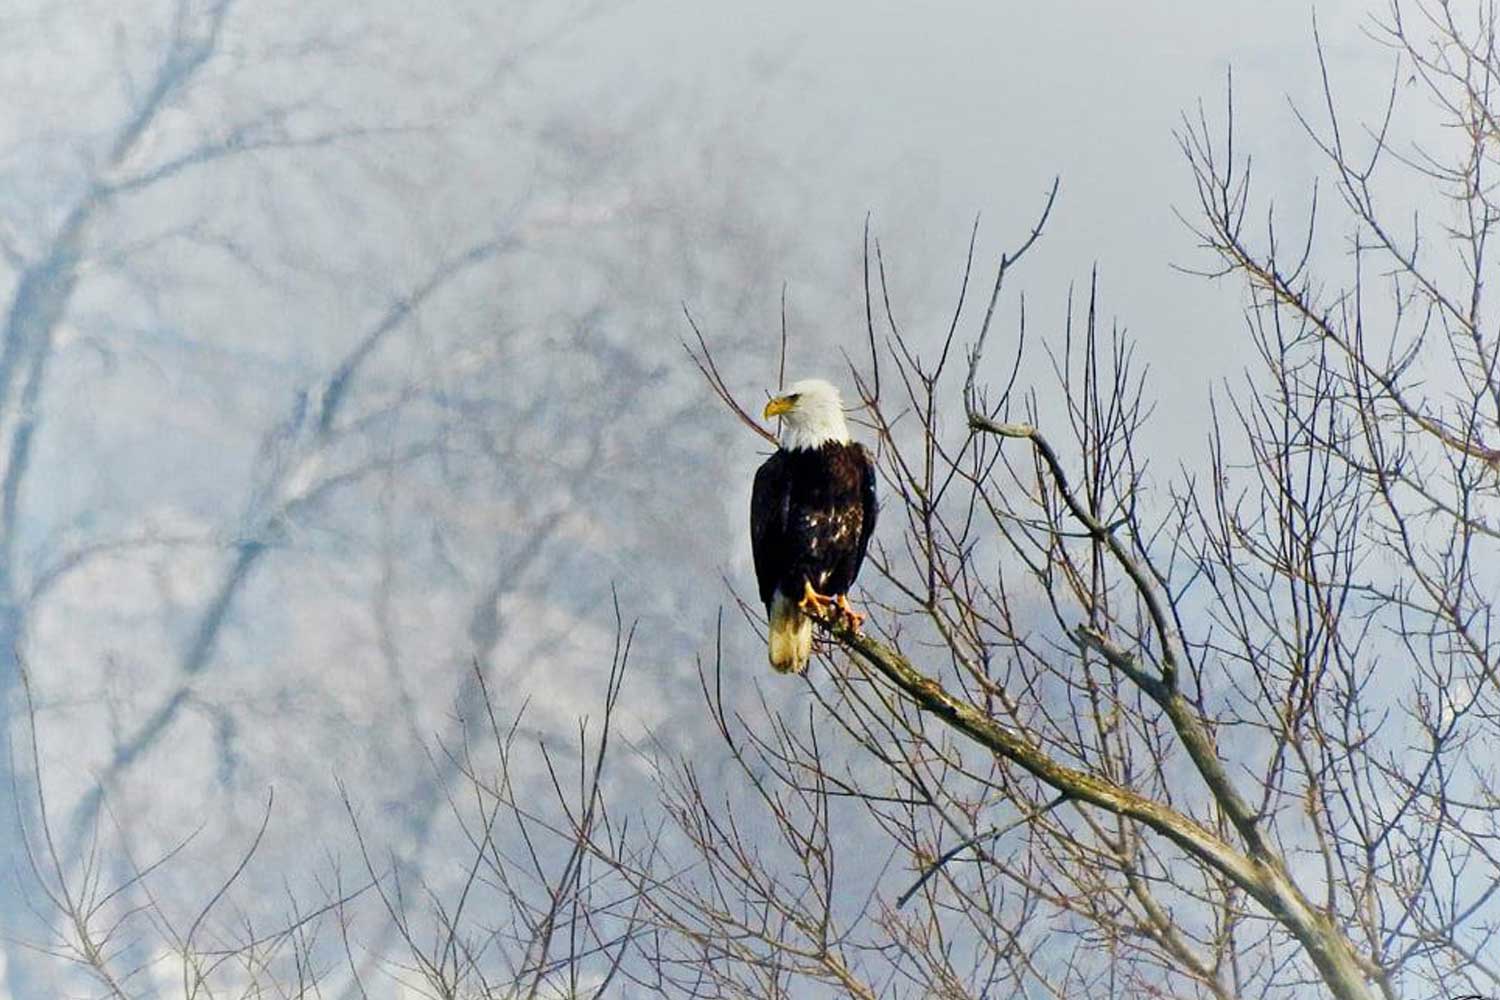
(1262,877)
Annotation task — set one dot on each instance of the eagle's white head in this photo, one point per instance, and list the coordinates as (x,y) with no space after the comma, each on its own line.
(811,414)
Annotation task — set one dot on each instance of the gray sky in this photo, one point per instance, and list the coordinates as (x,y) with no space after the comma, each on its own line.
(926,115)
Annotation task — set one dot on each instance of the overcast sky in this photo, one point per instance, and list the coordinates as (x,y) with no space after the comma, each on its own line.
(926,115)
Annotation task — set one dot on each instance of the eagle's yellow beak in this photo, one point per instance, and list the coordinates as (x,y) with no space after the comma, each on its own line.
(776,407)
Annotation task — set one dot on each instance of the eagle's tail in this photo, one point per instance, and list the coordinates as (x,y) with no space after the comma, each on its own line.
(789,637)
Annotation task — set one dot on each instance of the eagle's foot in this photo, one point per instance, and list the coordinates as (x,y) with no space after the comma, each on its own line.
(853,619)
(814,603)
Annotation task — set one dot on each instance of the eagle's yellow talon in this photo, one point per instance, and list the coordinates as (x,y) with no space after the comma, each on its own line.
(852,618)
(813,602)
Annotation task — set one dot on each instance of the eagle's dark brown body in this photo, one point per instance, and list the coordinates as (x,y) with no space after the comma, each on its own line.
(811,514)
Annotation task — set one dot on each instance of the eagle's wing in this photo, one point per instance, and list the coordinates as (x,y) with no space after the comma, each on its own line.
(868,501)
(770,501)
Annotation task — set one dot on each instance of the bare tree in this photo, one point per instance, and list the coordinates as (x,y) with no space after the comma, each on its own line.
(1224,733)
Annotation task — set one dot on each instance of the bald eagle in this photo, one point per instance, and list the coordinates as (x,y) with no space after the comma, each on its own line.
(812,510)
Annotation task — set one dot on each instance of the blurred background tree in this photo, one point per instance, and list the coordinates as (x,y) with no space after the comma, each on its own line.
(337,356)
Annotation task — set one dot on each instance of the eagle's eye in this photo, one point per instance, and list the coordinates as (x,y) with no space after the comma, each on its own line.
(794,397)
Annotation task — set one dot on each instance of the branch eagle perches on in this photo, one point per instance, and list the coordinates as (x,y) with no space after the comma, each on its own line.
(1260,872)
